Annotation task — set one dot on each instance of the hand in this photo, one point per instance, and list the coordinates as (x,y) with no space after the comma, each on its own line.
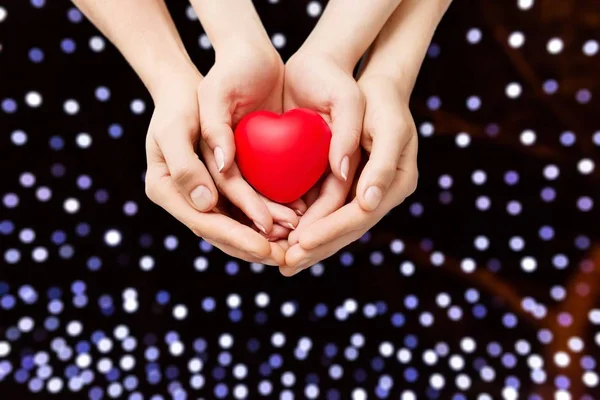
(314,80)
(389,135)
(245,77)
(179,182)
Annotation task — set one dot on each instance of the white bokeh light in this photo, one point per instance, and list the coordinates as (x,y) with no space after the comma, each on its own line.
(516,40)
(33,99)
(555,46)
(528,137)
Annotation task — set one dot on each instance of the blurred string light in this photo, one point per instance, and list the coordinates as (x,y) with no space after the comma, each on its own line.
(116,363)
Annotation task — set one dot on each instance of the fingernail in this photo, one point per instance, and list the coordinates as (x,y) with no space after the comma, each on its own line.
(262,228)
(373,197)
(299,213)
(201,197)
(292,227)
(344,167)
(219,158)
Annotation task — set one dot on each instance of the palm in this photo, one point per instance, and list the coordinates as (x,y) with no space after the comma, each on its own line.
(248,83)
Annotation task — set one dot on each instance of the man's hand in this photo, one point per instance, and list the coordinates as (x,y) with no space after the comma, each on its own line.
(389,135)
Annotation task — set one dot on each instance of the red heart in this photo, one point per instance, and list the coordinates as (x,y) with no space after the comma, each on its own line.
(282,156)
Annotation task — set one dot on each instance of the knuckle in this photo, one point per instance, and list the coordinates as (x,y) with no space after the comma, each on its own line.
(220,183)
(399,128)
(387,169)
(198,231)
(182,173)
(366,141)
(414,181)
(209,132)
(151,191)
(356,95)
(336,200)
(353,138)
(407,187)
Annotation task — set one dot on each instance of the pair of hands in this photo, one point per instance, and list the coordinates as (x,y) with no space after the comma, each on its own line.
(195,113)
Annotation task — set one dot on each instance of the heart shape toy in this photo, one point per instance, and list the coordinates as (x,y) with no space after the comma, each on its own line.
(282,156)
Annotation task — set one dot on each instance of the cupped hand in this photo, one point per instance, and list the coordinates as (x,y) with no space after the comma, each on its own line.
(316,81)
(389,135)
(245,77)
(180,183)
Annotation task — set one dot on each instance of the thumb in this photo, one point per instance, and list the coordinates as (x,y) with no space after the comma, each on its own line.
(189,174)
(347,120)
(389,141)
(215,125)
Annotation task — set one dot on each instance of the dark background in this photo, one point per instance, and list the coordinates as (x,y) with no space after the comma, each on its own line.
(367,272)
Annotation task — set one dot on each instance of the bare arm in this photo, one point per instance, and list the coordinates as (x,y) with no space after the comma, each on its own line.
(144,33)
(230,22)
(348,27)
(400,48)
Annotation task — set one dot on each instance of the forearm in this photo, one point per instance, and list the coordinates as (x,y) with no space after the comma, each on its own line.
(348,27)
(400,48)
(145,34)
(227,21)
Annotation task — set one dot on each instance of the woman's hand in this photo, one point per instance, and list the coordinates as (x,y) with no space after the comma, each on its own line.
(314,80)
(245,77)
(180,183)
(389,135)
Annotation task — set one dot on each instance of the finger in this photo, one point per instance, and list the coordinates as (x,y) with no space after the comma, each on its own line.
(189,174)
(405,182)
(349,218)
(283,244)
(215,124)
(331,197)
(313,194)
(299,207)
(277,254)
(277,233)
(211,226)
(353,218)
(281,214)
(233,252)
(389,141)
(239,192)
(347,120)
(298,258)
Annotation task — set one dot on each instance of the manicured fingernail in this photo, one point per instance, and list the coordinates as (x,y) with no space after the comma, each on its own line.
(292,227)
(299,213)
(219,158)
(262,228)
(373,197)
(345,167)
(201,197)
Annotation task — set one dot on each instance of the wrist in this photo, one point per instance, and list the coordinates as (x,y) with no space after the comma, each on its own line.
(400,82)
(230,23)
(344,59)
(253,55)
(173,76)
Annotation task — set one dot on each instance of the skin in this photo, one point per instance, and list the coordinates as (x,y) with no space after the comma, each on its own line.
(176,179)
(319,76)
(388,135)
(195,113)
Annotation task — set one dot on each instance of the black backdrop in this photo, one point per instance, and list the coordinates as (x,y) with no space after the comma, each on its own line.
(402,271)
